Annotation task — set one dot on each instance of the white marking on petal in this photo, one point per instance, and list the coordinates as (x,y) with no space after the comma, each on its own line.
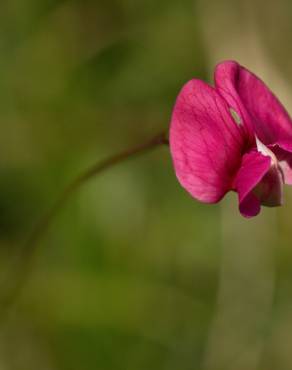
(266,151)
(235,116)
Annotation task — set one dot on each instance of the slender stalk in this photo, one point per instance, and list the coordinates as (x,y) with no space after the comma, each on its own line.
(41,228)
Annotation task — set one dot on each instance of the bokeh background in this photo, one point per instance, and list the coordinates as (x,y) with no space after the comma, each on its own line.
(134,274)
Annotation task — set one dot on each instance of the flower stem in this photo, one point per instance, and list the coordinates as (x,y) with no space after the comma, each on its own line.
(44,223)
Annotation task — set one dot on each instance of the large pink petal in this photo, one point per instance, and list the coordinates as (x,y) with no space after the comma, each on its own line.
(258,182)
(205,142)
(269,118)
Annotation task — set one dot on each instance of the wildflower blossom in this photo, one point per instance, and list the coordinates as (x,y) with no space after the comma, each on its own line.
(235,136)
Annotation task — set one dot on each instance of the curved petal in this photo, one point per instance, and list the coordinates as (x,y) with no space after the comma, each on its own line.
(250,206)
(285,162)
(270,189)
(205,142)
(258,182)
(269,118)
(225,76)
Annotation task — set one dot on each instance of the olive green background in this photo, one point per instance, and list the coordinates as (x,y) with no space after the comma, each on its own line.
(133,274)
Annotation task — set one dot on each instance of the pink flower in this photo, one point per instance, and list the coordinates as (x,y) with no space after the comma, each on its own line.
(234,136)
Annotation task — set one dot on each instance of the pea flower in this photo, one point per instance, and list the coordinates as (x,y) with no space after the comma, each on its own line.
(235,136)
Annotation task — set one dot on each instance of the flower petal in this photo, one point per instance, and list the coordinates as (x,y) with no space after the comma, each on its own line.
(250,206)
(285,162)
(270,189)
(269,118)
(205,142)
(253,168)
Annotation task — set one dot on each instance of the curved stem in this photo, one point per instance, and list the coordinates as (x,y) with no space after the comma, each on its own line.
(45,222)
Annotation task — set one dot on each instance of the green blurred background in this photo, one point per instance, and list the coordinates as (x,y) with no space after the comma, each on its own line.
(134,274)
